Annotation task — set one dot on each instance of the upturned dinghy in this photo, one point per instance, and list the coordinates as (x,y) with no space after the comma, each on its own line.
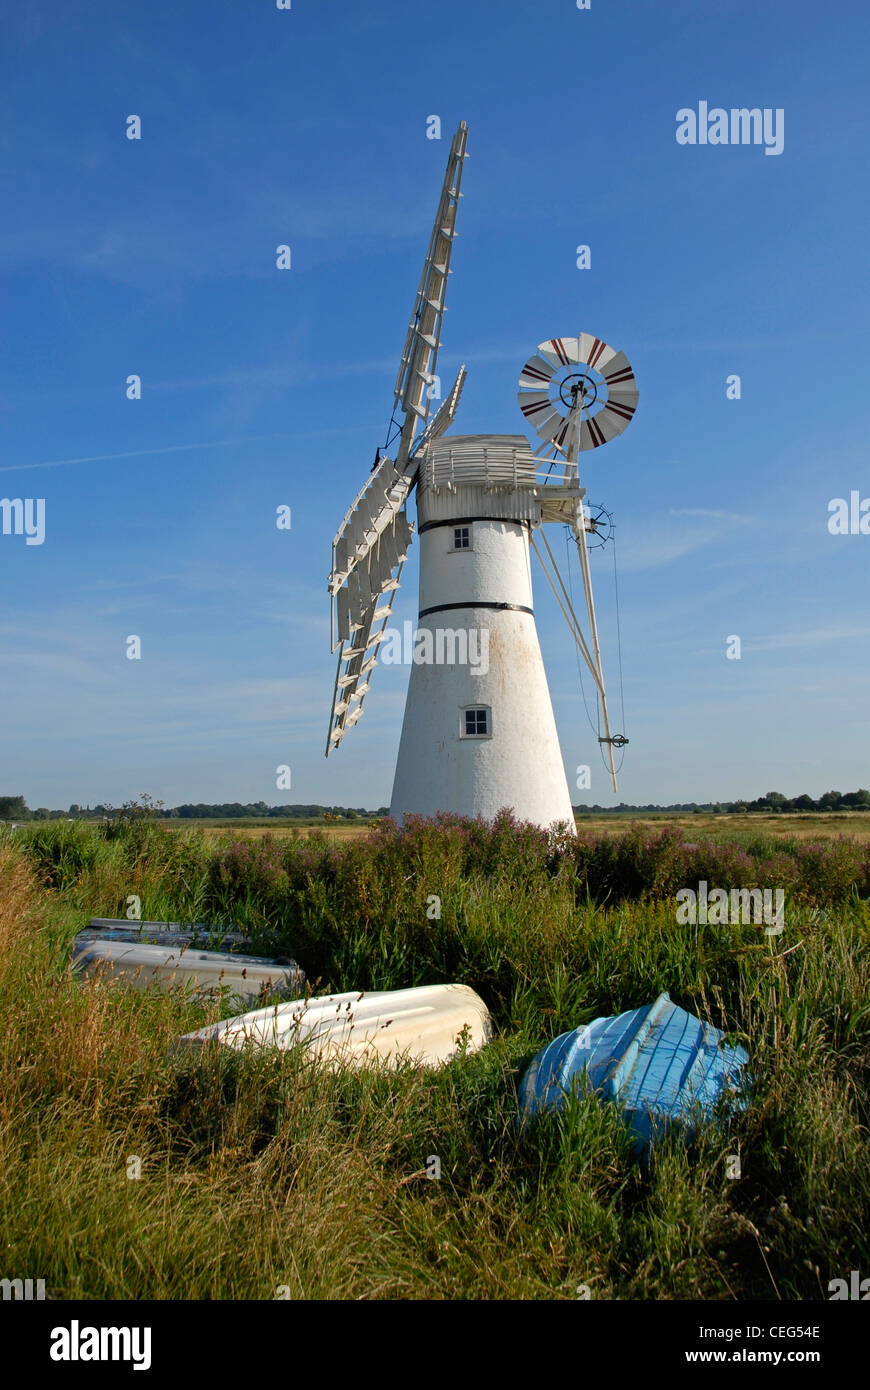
(249,978)
(204,934)
(429,1025)
(658,1063)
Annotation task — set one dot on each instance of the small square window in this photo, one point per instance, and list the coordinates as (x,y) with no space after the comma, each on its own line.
(476,722)
(462,538)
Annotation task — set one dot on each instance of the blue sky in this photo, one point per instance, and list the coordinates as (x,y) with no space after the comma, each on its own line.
(261,387)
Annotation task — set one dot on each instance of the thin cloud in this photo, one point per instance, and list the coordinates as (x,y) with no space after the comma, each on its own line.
(807,638)
(177,448)
(712,514)
(274,375)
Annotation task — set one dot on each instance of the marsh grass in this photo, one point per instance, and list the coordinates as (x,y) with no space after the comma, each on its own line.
(267,1171)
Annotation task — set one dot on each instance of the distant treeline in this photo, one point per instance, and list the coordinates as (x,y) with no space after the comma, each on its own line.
(14,808)
(235,810)
(773,801)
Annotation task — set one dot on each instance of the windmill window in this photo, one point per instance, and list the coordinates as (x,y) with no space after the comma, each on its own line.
(461,538)
(476,722)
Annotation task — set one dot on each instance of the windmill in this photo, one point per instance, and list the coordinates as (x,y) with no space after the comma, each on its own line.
(478,734)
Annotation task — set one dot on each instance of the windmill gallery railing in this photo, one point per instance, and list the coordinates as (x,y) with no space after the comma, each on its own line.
(509,463)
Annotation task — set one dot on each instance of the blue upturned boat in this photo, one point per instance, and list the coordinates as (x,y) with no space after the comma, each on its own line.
(658,1063)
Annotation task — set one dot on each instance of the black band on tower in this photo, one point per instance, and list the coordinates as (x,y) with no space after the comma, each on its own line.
(476,603)
(467,520)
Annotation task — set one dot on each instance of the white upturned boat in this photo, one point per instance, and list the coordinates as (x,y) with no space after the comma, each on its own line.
(249,978)
(428,1025)
(204,934)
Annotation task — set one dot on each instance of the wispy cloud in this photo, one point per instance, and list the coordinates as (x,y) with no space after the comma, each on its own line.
(807,637)
(139,453)
(672,535)
(180,448)
(274,375)
(714,515)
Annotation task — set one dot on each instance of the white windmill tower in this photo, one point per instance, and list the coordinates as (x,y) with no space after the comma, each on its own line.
(479,732)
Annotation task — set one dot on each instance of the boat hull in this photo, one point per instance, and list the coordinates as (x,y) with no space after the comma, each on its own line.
(140,965)
(429,1026)
(658,1063)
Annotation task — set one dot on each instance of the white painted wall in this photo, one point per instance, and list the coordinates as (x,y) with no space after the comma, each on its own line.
(521,765)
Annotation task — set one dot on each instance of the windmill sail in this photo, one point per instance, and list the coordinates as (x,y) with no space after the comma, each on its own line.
(420,354)
(443,418)
(363,606)
(371,544)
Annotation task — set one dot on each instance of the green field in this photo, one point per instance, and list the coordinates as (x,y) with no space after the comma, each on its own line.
(266,1172)
(824,824)
(788,825)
